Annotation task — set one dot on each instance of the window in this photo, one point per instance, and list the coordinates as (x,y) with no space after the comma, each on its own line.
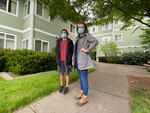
(118,37)
(12,6)
(107,27)
(46,13)
(119,53)
(45,46)
(7,41)
(27,8)
(39,8)
(42,11)
(106,40)
(9,6)
(118,22)
(94,29)
(2,36)
(41,45)
(72,28)
(25,44)
(3,4)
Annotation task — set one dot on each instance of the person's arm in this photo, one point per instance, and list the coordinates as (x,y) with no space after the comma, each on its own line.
(93,43)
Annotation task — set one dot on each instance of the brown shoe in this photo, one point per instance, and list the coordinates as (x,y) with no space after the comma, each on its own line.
(82,101)
(79,96)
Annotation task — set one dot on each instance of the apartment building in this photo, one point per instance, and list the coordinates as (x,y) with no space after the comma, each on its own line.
(127,40)
(26,24)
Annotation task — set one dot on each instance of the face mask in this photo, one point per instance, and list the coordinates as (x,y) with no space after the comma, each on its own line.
(63,35)
(81,30)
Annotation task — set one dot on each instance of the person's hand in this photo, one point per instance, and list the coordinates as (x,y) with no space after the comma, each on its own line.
(83,50)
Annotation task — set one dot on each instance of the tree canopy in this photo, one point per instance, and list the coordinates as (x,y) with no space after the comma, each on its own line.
(64,10)
(103,11)
(127,11)
(146,38)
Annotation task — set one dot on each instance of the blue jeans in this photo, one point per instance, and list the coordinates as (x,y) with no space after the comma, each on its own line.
(83,75)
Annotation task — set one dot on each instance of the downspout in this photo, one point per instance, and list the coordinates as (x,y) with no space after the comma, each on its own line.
(32,6)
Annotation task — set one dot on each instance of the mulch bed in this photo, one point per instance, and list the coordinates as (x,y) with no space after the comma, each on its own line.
(139,81)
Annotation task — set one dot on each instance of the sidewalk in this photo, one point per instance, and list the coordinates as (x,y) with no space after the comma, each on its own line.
(109,93)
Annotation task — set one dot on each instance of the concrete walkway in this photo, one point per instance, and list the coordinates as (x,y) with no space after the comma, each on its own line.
(109,93)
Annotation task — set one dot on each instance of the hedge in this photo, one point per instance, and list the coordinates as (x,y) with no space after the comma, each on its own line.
(131,58)
(26,61)
(135,58)
(110,59)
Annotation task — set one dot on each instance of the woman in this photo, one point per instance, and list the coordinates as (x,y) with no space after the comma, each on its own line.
(64,53)
(84,43)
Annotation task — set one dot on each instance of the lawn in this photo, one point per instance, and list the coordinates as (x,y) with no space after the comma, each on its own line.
(140,102)
(140,94)
(21,91)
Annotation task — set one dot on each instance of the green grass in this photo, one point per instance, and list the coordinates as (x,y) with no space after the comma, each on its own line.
(21,91)
(1,78)
(140,102)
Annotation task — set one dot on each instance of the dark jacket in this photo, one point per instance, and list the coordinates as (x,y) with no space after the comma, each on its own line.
(69,51)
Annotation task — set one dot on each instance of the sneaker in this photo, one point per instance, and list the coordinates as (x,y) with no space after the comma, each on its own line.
(65,90)
(61,89)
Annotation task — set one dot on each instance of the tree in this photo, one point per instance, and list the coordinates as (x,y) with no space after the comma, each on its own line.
(63,9)
(104,11)
(109,49)
(146,38)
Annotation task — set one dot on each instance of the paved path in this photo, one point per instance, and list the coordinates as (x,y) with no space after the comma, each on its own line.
(109,93)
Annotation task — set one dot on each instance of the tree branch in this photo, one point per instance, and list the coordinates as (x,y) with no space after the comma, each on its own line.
(118,8)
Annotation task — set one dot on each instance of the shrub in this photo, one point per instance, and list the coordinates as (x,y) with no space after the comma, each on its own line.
(3,59)
(131,58)
(135,58)
(27,61)
(110,59)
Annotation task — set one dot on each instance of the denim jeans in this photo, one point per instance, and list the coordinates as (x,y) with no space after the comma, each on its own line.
(83,75)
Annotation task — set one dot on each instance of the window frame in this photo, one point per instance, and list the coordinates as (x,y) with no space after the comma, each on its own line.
(109,38)
(7,6)
(71,29)
(43,11)
(25,43)
(26,10)
(48,49)
(118,40)
(96,29)
(5,39)
(109,28)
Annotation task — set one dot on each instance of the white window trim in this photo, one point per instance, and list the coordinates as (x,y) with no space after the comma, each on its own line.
(42,44)
(15,40)
(103,29)
(146,51)
(118,40)
(25,16)
(106,37)
(42,17)
(96,29)
(6,11)
(119,23)
(25,40)
(70,29)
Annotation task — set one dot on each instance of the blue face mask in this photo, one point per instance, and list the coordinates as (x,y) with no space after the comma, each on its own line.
(63,35)
(81,30)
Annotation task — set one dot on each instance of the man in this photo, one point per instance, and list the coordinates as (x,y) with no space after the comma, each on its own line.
(64,53)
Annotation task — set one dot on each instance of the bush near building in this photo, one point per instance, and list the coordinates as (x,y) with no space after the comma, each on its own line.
(26,61)
(131,58)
